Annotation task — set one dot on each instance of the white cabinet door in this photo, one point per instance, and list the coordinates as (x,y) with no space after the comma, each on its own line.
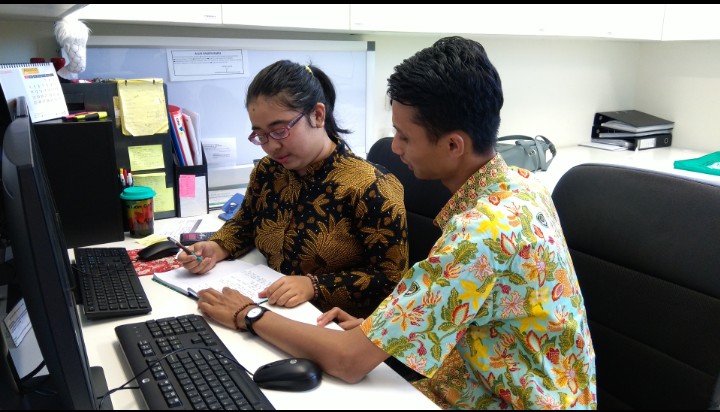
(622,21)
(288,16)
(691,22)
(152,13)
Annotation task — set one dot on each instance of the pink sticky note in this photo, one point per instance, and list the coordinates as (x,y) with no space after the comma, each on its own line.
(187,186)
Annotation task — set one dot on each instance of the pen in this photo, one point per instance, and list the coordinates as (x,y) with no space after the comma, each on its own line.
(71,117)
(90,116)
(184,248)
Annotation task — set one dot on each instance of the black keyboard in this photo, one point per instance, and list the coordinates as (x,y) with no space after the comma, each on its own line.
(181,363)
(108,284)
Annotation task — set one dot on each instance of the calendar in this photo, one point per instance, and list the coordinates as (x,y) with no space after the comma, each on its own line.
(39,84)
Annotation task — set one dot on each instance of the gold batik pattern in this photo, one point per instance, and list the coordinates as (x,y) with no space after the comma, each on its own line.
(344,221)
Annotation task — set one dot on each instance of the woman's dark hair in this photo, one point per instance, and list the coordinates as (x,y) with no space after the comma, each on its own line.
(453,86)
(297,87)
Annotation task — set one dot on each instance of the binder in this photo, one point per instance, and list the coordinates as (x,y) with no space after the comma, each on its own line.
(191,189)
(633,121)
(651,142)
(179,125)
(638,143)
(600,132)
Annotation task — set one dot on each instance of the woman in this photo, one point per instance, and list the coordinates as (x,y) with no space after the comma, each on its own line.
(312,207)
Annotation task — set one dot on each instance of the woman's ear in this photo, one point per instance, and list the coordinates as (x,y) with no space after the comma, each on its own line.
(318,116)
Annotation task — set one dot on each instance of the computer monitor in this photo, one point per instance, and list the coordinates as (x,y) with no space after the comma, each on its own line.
(44,275)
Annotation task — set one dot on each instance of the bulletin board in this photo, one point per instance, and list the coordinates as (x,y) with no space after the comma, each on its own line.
(220,100)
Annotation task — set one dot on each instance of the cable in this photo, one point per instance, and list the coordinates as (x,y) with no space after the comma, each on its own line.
(157,362)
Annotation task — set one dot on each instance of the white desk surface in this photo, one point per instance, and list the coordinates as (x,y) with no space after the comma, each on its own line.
(659,159)
(380,389)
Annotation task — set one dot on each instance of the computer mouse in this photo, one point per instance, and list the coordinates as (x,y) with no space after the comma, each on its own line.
(292,374)
(158,250)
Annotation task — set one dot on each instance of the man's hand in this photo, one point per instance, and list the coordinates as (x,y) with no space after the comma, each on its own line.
(345,320)
(221,306)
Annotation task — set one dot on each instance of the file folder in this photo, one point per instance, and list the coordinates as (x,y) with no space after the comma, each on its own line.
(633,121)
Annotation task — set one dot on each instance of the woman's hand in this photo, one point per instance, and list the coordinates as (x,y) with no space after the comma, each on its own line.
(289,291)
(344,320)
(210,252)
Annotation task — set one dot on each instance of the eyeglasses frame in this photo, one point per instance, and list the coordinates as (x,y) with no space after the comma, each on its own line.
(263,138)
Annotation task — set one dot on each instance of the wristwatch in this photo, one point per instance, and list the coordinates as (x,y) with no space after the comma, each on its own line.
(252,316)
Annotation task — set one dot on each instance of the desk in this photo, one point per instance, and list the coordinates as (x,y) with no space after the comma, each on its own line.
(381,389)
(660,159)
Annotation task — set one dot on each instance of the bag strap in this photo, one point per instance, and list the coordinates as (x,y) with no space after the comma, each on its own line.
(544,164)
(514,137)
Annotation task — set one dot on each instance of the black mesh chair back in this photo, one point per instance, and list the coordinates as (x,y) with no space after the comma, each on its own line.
(423,199)
(646,248)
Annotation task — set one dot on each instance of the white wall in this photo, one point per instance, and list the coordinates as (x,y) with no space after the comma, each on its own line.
(553,86)
(681,81)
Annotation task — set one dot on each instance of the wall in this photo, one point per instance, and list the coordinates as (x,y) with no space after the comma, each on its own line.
(681,80)
(552,86)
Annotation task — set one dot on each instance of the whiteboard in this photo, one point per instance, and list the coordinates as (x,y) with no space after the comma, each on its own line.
(220,101)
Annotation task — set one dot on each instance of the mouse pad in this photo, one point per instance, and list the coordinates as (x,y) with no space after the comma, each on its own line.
(152,266)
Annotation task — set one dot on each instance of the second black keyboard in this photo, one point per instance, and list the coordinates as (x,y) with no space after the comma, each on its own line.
(108,283)
(181,363)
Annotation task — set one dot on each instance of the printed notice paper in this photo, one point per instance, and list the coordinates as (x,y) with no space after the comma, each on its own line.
(247,278)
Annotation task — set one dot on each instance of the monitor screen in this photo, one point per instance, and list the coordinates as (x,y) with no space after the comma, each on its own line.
(43,272)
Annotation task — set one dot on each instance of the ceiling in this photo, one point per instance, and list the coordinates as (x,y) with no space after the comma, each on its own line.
(45,12)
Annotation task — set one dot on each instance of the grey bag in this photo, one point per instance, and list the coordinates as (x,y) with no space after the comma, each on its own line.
(527,152)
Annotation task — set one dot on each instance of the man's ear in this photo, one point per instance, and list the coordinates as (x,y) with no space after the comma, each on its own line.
(456,144)
(318,116)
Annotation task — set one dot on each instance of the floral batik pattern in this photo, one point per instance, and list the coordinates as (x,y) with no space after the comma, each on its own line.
(494,317)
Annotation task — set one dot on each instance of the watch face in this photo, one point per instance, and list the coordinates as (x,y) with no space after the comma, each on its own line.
(254,312)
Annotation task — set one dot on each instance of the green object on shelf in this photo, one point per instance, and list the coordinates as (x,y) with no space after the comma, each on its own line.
(709,164)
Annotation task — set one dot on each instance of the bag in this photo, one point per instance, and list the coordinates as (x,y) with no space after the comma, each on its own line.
(526,152)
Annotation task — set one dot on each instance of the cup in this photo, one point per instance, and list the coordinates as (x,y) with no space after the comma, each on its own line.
(138,210)
(58,62)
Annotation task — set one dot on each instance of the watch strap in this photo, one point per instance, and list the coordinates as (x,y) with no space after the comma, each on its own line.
(250,320)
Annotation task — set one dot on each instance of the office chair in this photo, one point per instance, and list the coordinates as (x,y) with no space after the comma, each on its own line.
(645,246)
(423,200)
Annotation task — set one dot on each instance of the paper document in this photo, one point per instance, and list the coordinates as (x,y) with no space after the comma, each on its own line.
(18,322)
(603,146)
(247,278)
(142,107)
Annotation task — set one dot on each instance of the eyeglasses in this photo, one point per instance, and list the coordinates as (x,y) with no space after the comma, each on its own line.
(277,134)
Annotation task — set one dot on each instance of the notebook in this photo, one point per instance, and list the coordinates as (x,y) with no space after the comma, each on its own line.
(247,278)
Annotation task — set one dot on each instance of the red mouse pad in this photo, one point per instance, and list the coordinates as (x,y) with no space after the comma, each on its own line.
(152,266)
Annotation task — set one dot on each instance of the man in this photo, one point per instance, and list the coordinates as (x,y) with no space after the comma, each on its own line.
(494,317)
